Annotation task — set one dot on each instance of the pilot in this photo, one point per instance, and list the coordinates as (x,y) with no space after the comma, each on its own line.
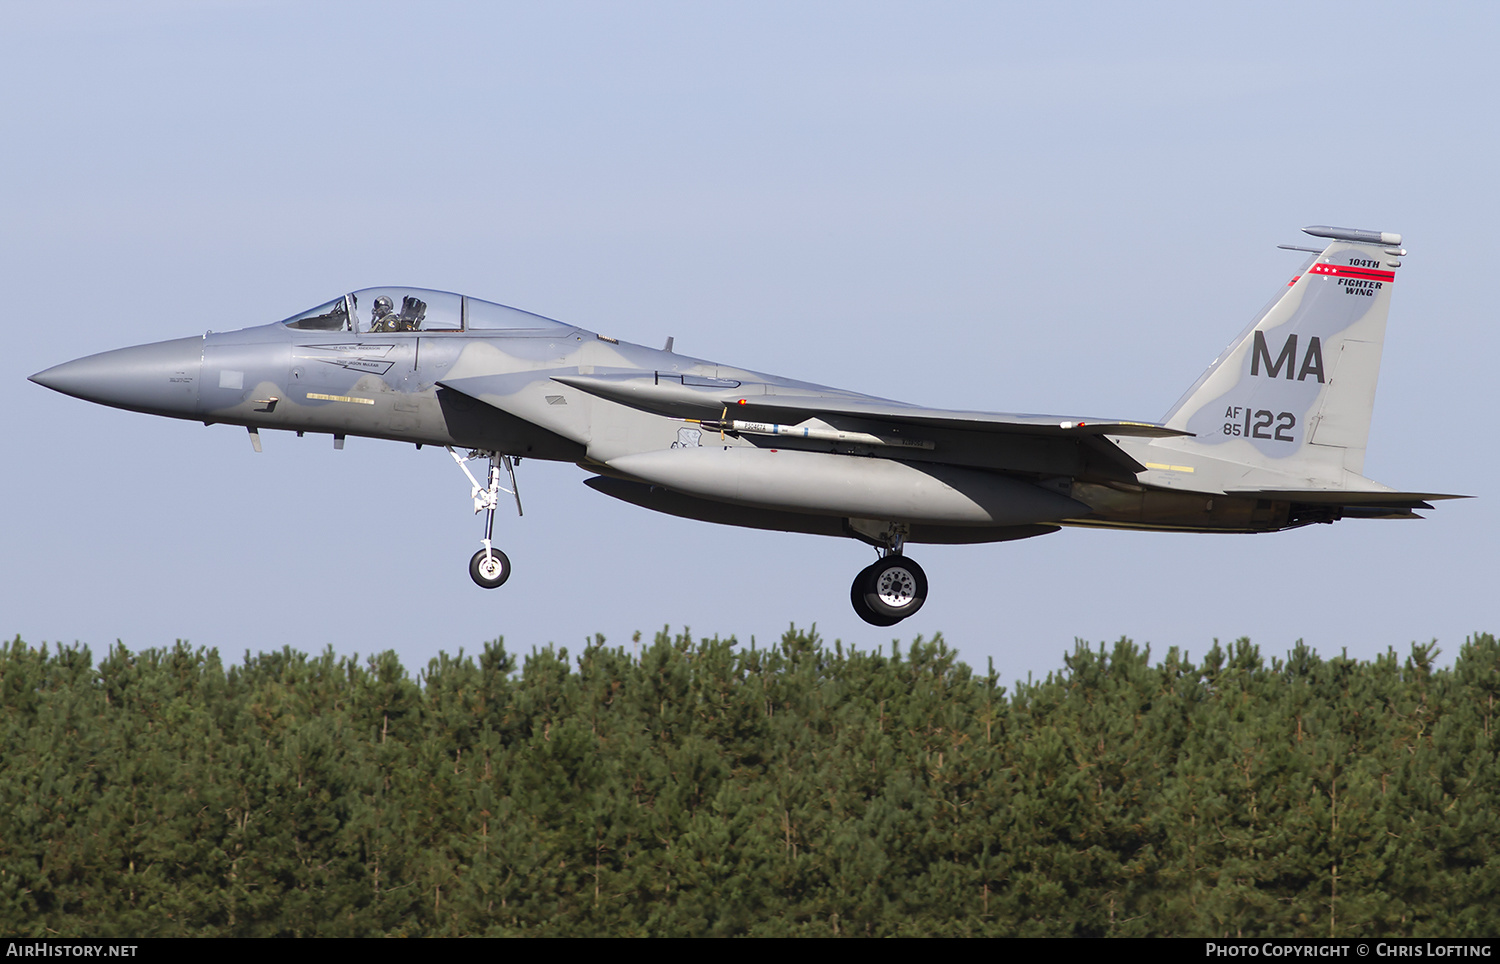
(384,317)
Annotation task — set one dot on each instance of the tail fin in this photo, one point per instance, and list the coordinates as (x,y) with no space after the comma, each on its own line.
(1293,393)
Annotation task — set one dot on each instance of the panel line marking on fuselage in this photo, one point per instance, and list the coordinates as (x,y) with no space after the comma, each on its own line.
(341,398)
(1168,468)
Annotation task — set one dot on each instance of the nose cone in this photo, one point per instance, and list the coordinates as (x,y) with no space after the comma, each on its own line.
(159,379)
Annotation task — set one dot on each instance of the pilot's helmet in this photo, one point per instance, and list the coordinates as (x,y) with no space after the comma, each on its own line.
(384,305)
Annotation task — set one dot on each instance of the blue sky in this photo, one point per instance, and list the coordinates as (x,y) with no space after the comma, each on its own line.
(1063,208)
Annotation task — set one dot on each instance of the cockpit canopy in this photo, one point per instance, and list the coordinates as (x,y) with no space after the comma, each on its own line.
(383,310)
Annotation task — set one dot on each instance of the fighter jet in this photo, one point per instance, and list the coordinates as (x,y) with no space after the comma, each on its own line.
(1272,436)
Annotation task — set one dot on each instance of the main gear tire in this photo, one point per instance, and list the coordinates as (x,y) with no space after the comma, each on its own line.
(894,588)
(857,600)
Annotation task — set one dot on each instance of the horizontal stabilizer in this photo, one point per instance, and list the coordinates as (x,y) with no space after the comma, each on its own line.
(1388,499)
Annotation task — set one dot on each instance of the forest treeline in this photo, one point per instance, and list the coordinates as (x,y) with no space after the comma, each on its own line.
(709,788)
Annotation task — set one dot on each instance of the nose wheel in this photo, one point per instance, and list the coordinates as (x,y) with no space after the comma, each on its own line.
(489,568)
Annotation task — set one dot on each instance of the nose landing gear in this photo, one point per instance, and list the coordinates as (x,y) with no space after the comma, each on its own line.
(489,568)
(890,589)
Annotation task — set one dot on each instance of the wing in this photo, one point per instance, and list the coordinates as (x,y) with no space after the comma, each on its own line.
(1039,445)
(714,398)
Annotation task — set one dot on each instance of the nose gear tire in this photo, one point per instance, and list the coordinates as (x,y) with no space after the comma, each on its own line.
(489,568)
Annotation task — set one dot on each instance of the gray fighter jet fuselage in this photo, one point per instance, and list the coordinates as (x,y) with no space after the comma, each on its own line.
(1272,436)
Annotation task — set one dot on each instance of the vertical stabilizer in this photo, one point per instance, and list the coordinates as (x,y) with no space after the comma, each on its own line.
(1293,394)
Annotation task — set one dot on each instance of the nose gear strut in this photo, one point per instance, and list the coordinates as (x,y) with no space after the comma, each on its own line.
(489,568)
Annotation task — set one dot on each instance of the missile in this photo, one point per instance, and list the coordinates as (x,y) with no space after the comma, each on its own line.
(811,429)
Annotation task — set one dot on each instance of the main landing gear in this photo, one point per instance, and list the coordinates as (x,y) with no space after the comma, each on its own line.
(891,588)
(490,567)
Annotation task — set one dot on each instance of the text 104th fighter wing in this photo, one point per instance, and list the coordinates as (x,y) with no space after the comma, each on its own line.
(1271,437)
